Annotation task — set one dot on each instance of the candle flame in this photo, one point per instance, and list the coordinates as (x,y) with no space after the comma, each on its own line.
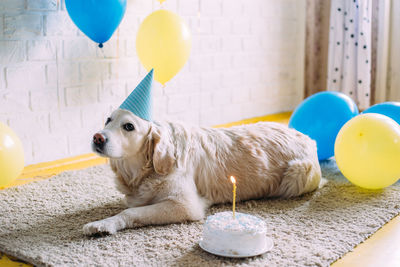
(233,180)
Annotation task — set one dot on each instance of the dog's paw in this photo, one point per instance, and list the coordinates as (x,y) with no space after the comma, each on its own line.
(100,227)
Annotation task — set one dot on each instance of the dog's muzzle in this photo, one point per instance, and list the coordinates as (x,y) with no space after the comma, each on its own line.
(99,141)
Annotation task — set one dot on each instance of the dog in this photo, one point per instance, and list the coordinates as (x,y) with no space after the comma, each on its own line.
(171,172)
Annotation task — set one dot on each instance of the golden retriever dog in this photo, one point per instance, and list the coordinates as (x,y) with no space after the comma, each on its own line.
(170,172)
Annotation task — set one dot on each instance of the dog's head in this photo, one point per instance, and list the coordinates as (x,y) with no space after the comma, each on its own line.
(127,136)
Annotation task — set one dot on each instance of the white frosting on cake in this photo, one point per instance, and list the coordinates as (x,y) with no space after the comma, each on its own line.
(244,235)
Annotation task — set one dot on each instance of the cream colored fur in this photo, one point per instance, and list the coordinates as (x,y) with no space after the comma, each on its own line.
(171,172)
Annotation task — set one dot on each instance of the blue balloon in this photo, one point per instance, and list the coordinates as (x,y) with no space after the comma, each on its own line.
(321,116)
(390,109)
(98,19)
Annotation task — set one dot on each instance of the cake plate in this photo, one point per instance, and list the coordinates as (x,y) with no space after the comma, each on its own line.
(269,245)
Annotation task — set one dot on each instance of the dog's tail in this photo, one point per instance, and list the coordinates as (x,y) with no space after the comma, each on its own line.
(301,176)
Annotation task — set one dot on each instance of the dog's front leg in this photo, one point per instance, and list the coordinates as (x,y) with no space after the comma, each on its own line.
(165,212)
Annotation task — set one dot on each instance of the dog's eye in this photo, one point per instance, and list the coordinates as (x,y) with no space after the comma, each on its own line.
(128,127)
(108,120)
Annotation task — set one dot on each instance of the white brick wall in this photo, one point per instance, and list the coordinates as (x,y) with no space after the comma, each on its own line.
(57,87)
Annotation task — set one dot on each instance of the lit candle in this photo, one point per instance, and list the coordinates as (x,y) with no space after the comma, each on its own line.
(233,180)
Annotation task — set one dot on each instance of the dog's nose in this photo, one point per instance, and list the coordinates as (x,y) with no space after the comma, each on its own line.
(99,139)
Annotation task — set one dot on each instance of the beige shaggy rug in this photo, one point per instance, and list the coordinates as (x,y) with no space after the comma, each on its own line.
(41,223)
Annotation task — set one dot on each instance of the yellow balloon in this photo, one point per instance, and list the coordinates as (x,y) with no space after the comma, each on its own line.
(163,42)
(161,1)
(11,155)
(367,151)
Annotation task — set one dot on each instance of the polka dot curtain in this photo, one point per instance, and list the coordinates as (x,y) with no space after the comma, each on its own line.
(349,59)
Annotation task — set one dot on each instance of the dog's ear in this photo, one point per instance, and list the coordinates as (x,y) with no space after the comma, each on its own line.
(162,152)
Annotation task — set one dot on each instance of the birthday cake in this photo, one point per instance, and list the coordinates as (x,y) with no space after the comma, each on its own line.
(244,235)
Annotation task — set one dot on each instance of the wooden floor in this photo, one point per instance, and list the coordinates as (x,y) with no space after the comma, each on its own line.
(382,249)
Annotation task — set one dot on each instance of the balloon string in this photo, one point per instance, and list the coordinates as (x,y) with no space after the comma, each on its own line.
(102,52)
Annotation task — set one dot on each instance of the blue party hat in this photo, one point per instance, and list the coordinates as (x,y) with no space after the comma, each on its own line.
(139,102)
